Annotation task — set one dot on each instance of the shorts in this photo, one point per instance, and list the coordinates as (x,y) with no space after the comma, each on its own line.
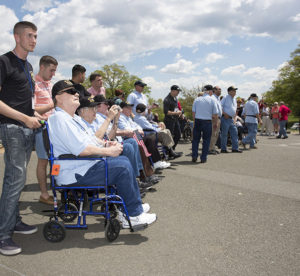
(39,145)
(275,121)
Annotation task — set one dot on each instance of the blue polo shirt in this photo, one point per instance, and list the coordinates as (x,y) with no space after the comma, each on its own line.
(144,123)
(204,107)
(126,123)
(69,135)
(136,98)
(229,105)
(251,108)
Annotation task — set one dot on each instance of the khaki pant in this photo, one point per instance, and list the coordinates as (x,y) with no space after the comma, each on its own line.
(214,136)
(164,136)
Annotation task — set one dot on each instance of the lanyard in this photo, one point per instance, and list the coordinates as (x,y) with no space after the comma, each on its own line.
(27,73)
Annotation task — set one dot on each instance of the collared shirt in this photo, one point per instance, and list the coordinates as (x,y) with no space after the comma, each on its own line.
(251,108)
(95,92)
(284,111)
(126,123)
(229,105)
(218,102)
(69,135)
(204,107)
(144,123)
(170,104)
(136,98)
(43,94)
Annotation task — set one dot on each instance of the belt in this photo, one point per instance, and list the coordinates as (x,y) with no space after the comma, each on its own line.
(228,116)
(203,120)
(251,116)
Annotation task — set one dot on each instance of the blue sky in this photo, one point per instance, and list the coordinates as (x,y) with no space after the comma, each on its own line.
(189,43)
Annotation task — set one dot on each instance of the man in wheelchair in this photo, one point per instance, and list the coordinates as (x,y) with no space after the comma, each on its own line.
(69,135)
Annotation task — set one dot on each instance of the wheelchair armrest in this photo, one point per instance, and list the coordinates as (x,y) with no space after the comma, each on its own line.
(72,156)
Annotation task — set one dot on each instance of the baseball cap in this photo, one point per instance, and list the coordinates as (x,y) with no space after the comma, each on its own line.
(87,102)
(100,99)
(140,108)
(231,88)
(140,83)
(126,104)
(175,87)
(253,95)
(207,87)
(61,86)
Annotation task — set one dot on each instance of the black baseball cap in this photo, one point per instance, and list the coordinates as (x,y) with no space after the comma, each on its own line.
(126,104)
(100,99)
(231,88)
(253,95)
(175,87)
(87,102)
(61,86)
(140,108)
(207,87)
(140,83)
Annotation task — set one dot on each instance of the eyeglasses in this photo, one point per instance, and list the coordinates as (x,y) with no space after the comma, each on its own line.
(71,91)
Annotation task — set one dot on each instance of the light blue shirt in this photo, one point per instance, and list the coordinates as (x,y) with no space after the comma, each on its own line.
(144,123)
(218,102)
(204,107)
(251,108)
(69,135)
(229,105)
(136,98)
(126,123)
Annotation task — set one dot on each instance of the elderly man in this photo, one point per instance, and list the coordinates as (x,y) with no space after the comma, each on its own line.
(251,112)
(164,135)
(215,132)
(229,107)
(97,85)
(129,126)
(205,114)
(69,135)
(172,113)
(17,122)
(44,106)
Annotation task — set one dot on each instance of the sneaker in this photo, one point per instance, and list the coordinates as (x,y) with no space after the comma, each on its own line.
(23,228)
(143,218)
(161,165)
(146,207)
(8,247)
(145,185)
(165,164)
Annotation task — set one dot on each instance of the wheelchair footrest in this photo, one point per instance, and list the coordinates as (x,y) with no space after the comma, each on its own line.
(139,227)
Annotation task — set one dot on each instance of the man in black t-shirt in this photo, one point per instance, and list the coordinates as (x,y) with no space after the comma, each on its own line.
(17,122)
(172,113)
(78,77)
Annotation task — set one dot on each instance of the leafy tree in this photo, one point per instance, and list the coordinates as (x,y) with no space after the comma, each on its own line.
(117,77)
(287,87)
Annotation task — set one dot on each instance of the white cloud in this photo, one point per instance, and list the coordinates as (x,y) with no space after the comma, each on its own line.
(37,5)
(248,49)
(206,70)
(150,67)
(182,66)
(296,18)
(213,57)
(261,73)
(233,70)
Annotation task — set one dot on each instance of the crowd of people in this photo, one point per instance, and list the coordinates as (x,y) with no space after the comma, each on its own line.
(84,122)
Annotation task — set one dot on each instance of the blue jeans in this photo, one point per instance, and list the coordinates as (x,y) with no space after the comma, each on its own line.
(228,125)
(18,142)
(251,137)
(132,152)
(282,129)
(201,128)
(120,173)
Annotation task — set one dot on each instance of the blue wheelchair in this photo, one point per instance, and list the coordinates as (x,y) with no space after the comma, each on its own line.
(77,202)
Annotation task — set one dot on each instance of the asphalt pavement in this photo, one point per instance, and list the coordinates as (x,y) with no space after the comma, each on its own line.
(237,214)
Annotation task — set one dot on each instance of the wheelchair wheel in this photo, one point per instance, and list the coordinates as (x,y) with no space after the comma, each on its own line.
(54,231)
(112,210)
(112,230)
(68,217)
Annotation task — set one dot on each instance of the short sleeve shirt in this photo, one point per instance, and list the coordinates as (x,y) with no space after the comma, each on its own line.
(126,123)
(251,109)
(229,105)
(17,86)
(204,107)
(136,98)
(170,104)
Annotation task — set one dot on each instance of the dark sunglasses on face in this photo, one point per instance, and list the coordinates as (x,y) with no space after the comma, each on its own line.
(71,91)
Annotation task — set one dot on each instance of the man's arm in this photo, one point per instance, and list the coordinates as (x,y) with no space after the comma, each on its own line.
(112,151)
(7,111)
(44,108)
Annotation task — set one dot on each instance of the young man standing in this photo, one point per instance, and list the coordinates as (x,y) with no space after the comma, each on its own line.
(78,77)
(17,122)
(44,106)
(97,85)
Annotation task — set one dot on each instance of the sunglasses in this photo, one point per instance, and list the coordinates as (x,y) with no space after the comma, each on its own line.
(71,91)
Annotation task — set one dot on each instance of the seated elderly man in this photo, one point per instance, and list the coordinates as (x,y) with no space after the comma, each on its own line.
(164,135)
(129,126)
(69,135)
(107,126)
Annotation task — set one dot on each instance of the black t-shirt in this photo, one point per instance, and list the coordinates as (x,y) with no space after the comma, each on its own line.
(170,103)
(80,88)
(16,91)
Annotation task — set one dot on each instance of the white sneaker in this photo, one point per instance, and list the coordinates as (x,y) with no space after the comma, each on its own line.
(146,207)
(143,218)
(166,164)
(157,165)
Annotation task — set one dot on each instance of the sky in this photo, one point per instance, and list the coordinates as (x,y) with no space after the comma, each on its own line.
(164,42)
